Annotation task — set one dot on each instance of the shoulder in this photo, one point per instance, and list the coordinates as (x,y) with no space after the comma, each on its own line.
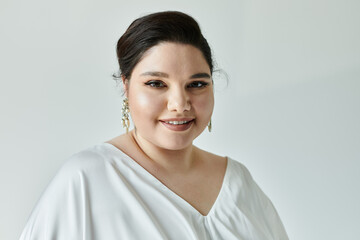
(240,170)
(80,171)
(85,161)
(244,188)
(251,199)
(213,164)
(241,179)
(205,155)
(65,197)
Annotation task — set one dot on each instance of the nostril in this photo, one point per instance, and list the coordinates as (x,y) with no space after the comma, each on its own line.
(180,105)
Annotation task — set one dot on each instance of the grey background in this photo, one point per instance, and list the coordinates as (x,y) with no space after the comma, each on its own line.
(290,112)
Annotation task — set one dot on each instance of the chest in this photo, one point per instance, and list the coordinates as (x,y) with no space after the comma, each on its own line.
(200,195)
(200,189)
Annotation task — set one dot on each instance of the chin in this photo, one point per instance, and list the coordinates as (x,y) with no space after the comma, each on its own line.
(175,144)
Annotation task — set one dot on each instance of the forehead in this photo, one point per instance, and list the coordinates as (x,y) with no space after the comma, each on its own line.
(174,59)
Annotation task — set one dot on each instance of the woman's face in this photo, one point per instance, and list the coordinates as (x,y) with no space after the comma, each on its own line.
(170,95)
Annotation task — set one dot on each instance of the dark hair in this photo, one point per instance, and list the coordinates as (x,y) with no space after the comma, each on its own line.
(149,30)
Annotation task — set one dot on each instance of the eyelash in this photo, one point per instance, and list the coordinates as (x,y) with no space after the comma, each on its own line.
(151,84)
(155,84)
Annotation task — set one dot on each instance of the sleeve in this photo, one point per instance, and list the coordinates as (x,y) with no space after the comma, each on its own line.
(271,215)
(61,212)
(261,206)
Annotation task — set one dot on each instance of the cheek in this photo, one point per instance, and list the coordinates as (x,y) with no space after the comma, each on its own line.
(143,104)
(204,105)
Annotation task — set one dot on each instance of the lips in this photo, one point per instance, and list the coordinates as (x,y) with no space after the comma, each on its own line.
(176,119)
(177,124)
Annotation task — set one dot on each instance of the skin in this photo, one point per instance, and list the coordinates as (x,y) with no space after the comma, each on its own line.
(174,95)
(183,89)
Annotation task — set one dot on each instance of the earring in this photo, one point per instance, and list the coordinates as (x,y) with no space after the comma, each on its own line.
(209,126)
(125,114)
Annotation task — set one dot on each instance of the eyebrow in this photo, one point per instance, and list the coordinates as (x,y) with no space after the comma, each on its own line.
(200,75)
(165,75)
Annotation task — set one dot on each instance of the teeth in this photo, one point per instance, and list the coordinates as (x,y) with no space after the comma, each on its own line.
(177,122)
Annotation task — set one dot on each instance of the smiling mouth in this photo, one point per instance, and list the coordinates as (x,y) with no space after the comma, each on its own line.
(177,122)
(178,125)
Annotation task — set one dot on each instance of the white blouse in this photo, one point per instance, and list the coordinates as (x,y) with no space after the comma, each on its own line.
(101,193)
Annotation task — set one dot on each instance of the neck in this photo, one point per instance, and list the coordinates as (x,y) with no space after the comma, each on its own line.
(181,160)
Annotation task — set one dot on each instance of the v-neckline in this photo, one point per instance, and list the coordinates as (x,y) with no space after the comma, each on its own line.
(191,207)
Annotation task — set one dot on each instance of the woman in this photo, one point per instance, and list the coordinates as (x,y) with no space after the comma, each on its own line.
(152,182)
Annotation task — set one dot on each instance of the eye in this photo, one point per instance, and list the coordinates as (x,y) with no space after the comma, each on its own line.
(198,84)
(155,84)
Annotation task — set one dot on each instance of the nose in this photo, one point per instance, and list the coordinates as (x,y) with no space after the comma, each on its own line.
(178,101)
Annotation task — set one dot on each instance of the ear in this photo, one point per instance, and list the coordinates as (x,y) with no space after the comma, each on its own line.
(125,85)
